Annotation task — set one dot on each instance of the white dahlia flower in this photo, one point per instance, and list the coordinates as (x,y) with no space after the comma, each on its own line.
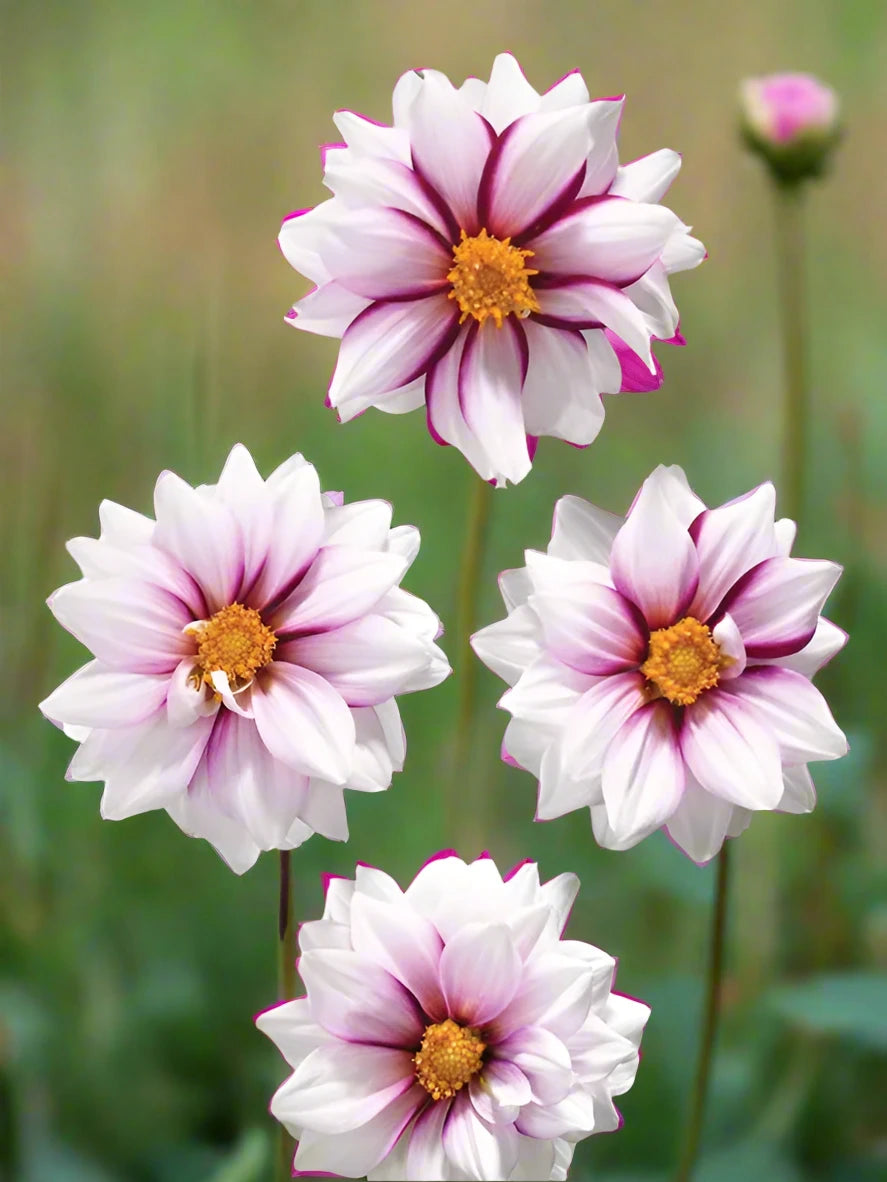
(248,647)
(488,257)
(449,1031)
(660,666)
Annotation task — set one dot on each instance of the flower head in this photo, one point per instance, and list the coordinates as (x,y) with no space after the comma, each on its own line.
(248,646)
(449,1031)
(792,121)
(488,257)
(660,666)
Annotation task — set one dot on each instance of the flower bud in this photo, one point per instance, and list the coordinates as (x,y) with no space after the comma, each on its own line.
(792,121)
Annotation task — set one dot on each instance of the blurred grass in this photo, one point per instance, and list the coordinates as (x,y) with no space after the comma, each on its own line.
(151,153)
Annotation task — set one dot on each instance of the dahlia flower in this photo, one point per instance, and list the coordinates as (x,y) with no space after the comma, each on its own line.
(489,257)
(660,666)
(248,646)
(449,1031)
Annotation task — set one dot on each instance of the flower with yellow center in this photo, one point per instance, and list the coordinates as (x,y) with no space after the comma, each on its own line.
(449,1057)
(683,661)
(235,642)
(490,278)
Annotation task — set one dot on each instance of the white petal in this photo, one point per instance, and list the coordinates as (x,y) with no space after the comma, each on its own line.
(327,311)
(648,178)
(356,999)
(732,751)
(653,560)
(476,1148)
(147,766)
(799,795)
(96,696)
(200,532)
(341,1086)
(589,303)
(545,692)
(614,239)
(776,605)
(700,823)
(682,252)
(293,1030)
(582,531)
(370,660)
(796,712)
(450,145)
(446,417)
(603,159)
(128,624)
(384,254)
(490,380)
(730,540)
(343,584)
(828,639)
(480,971)
(643,772)
(509,95)
(396,937)
(304,722)
(359,1151)
(535,165)
(560,395)
(387,347)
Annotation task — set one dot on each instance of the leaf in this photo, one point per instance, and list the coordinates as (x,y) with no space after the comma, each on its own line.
(850,1004)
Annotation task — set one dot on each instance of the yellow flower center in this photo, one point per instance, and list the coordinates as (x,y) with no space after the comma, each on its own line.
(233,641)
(490,278)
(683,661)
(449,1057)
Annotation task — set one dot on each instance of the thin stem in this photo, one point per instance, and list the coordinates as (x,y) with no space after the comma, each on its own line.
(466,624)
(790,261)
(286,990)
(709,1021)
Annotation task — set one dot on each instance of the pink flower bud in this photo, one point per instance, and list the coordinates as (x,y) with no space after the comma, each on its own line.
(792,121)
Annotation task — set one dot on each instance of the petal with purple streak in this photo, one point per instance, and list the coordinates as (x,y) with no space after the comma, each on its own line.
(776,605)
(653,560)
(389,345)
(643,772)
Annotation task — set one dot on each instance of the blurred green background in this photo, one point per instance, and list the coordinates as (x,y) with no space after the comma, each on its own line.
(152,150)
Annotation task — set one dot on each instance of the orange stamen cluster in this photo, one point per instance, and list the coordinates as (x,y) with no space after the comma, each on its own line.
(490,279)
(449,1057)
(683,661)
(233,641)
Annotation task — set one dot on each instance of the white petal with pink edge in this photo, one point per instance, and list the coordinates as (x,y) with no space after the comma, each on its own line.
(490,379)
(700,823)
(560,394)
(730,540)
(653,560)
(796,712)
(450,145)
(732,750)
(648,178)
(387,346)
(611,239)
(643,772)
(776,605)
(479,973)
(356,999)
(536,163)
(303,722)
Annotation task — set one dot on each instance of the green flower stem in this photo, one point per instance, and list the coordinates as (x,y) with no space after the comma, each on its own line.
(709,1020)
(466,670)
(790,261)
(286,990)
